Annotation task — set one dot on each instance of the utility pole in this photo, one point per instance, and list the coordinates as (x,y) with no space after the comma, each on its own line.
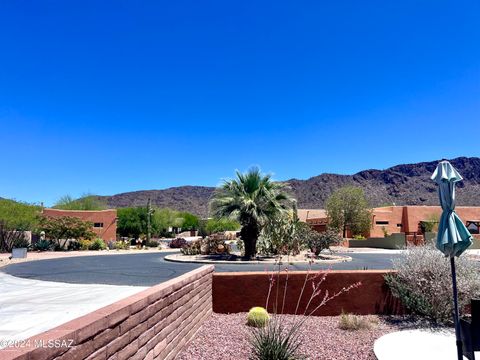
(149,222)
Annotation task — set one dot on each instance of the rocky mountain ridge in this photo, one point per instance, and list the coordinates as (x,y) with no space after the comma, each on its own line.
(407,184)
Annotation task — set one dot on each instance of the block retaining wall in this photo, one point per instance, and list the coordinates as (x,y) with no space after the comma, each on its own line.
(153,324)
(240,291)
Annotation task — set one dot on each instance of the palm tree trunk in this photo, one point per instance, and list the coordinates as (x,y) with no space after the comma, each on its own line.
(249,234)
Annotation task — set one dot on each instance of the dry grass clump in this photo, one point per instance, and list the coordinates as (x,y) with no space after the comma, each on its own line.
(352,322)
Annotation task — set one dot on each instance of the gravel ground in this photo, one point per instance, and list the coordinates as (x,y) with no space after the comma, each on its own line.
(226,337)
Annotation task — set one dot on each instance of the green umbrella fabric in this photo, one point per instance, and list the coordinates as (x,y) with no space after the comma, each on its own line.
(453,236)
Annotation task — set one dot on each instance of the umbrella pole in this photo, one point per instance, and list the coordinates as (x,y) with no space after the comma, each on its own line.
(455,309)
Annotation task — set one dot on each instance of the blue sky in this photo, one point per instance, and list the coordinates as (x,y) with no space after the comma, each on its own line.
(114,96)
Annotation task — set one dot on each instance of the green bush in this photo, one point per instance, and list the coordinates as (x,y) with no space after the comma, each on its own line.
(97,244)
(257,317)
(359,237)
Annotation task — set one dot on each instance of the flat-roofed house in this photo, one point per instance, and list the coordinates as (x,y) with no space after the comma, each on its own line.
(104,221)
(406,219)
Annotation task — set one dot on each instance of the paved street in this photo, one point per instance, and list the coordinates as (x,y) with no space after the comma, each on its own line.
(150,269)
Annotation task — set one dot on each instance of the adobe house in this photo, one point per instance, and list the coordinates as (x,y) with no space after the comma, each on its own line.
(316,218)
(104,221)
(396,219)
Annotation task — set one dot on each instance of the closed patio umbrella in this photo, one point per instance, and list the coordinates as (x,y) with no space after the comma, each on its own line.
(453,236)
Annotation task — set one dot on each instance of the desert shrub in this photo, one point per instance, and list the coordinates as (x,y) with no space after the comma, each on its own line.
(257,317)
(423,282)
(178,243)
(282,235)
(43,245)
(97,244)
(73,246)
(353,322)
(385,231)
(85,244)
(152,244)
(122,245)
(320,241)
(359,237)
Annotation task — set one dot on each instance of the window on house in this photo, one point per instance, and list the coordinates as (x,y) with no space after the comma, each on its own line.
(399,225)
(381,222)
(98,225)
(473,227)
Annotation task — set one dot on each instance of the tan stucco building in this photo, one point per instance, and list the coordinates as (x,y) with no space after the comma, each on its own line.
(395,219)
(104,221)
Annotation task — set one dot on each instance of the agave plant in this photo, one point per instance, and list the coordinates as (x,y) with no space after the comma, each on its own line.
(251,199)
(276,342)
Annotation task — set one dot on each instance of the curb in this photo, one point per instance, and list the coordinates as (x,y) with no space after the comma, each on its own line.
(178,258)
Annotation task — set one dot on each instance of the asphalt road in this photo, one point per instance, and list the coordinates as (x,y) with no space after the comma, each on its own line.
(151,269)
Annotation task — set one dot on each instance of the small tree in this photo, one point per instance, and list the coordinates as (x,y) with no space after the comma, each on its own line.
(132,221)
(63,228)
(318,241)
(163,219)
(189,221)
(347,208)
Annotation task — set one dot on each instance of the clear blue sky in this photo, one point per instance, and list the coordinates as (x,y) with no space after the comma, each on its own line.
(114,96)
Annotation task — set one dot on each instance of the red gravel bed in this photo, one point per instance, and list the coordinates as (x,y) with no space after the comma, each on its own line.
(226,337)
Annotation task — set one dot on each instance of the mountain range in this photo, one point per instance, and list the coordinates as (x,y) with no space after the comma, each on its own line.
(407,184)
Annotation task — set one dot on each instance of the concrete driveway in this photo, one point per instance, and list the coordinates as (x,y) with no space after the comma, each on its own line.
(29,307)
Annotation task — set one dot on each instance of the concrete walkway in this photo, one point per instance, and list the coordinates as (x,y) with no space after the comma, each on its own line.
(29,307)
(418,345)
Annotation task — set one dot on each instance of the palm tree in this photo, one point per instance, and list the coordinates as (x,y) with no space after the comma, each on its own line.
(251,199)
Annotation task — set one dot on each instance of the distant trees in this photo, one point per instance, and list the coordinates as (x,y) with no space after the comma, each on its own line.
(15,218)
(347,209)
(86,202)
(133,221)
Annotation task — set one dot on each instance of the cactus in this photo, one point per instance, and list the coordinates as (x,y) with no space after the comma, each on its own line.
(257,317)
